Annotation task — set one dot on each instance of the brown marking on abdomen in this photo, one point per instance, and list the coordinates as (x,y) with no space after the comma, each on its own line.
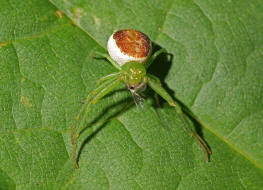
(133,43)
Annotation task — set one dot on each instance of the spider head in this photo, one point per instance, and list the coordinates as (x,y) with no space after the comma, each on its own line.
(134,76)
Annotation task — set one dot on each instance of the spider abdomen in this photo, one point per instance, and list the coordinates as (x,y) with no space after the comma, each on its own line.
(129,45)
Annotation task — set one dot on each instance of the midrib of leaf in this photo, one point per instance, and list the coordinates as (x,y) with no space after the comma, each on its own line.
(81,28)
(233,147)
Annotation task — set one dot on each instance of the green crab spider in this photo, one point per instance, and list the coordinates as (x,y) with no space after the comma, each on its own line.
(129,52)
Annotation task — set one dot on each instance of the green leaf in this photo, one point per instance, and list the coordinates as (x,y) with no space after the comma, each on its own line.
(47,69)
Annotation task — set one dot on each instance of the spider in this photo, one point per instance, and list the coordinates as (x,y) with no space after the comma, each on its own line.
(130,53)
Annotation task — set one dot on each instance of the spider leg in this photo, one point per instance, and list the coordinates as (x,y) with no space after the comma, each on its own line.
(155,84)
(106,56)
(153,57)
(107,77)
(80,115)
(92,99)
(97,96)
(85,104)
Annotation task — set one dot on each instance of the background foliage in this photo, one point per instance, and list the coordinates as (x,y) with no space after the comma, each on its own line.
(46,70)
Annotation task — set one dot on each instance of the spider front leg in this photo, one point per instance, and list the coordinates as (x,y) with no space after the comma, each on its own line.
(93,98)
(108,79)
(155,84)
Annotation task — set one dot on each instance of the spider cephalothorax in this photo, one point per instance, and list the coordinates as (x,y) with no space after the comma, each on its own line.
(134,76)
(130,52)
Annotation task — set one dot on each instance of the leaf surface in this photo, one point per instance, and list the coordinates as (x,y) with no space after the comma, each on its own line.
(47,70)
